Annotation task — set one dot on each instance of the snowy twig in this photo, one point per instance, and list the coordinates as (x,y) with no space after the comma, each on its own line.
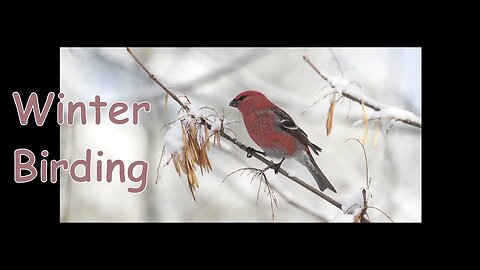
(239,144)
(360,216)
(386,110)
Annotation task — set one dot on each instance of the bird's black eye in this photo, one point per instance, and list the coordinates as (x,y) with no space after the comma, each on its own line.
(242,97)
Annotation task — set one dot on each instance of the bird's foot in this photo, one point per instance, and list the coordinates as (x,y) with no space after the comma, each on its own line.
(276,167)
(250,152)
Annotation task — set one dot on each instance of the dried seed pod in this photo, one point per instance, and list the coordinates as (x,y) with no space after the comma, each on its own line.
(196,143)
(176,163)
(330,116)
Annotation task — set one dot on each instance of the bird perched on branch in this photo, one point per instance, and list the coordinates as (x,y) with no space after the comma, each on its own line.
(277,134)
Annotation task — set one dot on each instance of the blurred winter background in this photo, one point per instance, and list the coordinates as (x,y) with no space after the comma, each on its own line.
(212,77)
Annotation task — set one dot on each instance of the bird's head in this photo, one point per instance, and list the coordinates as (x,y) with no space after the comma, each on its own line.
(248,99)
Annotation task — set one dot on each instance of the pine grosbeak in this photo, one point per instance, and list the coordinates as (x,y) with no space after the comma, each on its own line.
(277,134)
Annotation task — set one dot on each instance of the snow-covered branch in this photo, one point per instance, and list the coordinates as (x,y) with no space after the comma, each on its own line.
(236,142)
(383,112)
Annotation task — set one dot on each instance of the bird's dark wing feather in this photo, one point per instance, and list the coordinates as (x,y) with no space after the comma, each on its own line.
(286,123)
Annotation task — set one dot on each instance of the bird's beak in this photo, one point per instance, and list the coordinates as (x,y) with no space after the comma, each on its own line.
(234,103)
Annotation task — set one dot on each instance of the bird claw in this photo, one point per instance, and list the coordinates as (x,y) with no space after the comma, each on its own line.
(250,152)
(276,167)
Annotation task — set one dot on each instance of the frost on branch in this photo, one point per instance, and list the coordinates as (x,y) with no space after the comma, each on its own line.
(351,202)
(188,140)
(384,115)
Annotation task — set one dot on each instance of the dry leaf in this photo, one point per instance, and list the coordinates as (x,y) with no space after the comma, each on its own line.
(176,163)
(365,137)
(183,162)
(207,138)
(330,115)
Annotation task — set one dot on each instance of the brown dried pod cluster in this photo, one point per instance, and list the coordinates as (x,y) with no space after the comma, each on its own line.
(196,143)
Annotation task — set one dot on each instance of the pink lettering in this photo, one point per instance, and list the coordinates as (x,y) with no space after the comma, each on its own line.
(136,107)
(97,104)
(32,105)
(142,178)
(112,113)
(86,163)
(28,166)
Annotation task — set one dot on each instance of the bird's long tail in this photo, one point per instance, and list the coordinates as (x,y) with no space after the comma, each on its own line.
(320,178)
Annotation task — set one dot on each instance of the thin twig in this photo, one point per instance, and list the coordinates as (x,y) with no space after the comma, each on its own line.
(297,205)
(382,212)
(366,160)
(239,144)
(159,164)
(366,101)
(311,106)
(364,190)
(268,189)
(157,81)
(339,66)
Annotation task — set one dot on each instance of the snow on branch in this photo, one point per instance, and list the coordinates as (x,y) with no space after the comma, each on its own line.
(386,113)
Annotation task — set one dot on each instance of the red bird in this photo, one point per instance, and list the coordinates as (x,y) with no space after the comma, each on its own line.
(277,134)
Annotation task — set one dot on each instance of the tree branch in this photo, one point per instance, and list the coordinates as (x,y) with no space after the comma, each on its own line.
(237,143)
(396,113)
(170,93)
(283,172)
